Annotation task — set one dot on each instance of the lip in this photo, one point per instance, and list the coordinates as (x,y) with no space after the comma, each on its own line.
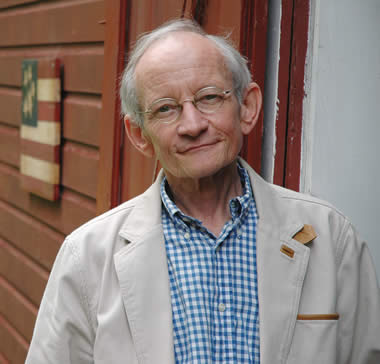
(192,148)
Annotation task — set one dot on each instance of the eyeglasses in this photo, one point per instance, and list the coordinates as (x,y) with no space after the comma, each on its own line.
(207,100)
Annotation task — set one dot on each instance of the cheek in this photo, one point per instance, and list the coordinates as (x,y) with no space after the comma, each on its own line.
(235,137)
(160,144)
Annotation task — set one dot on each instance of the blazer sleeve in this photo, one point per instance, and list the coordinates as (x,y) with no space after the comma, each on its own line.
(358,302)
(63,331)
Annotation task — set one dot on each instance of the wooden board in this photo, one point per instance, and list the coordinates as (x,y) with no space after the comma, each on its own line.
(10,3)
(52,23)
(223,17)
(82,64)
(72,211)
(84,71)
(81,119)
(137,172)
(80,168)
(25,275)
(3,359)
(9,145)
(29,235)
(17,309)
(12,344)
(10,106)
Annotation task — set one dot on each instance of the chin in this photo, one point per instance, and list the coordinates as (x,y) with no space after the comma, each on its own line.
(206,168)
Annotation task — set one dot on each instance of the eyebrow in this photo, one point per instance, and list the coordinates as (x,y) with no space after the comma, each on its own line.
(193,94)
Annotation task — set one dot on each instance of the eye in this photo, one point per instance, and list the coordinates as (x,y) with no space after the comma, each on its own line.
(164,108)
(209,99)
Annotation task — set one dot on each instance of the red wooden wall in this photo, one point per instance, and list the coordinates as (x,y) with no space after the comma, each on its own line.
(31,228)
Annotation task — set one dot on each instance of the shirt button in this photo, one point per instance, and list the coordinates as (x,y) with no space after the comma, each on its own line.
(222,307)
(187,236)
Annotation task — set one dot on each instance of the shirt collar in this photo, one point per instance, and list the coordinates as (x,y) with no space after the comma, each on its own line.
(238,205)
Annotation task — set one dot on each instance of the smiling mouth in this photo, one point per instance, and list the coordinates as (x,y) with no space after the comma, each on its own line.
(197,147)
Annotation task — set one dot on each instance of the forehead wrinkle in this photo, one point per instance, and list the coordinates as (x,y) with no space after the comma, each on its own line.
(172,53)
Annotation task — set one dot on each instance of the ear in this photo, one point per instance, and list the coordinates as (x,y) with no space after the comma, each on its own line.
(250,108)
(138,137)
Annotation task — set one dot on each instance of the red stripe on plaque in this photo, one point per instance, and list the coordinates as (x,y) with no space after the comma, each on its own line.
(43,189)
(49,111)
(45,152)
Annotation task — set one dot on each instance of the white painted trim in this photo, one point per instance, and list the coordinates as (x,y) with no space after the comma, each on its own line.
(271,91)
(309,102)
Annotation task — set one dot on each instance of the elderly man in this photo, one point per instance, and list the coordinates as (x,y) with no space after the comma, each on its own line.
(211,264)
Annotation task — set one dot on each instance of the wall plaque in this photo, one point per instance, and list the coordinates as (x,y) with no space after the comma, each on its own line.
(40,132)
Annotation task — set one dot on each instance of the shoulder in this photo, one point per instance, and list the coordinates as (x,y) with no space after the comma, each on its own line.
(308,201)
(283,208)
(105,224)
(272,199)
(101,236)
(113,220)
(303,204)
(334,229)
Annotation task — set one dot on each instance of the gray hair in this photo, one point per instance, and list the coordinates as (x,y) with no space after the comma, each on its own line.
(234,61)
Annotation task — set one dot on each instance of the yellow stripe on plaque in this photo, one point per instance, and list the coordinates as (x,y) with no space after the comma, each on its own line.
(46,132)
(49,89)
(39,169)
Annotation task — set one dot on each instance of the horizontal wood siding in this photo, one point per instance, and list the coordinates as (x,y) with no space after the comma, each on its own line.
(17,309)
(53,22)
(10,106)
(82,65)
(12,344)
(32,229)
(11,3)
(9,145)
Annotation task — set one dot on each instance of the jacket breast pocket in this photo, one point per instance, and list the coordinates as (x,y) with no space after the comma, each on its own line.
(315,339)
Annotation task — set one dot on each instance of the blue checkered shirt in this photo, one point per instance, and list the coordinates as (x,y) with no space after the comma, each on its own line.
(213,283)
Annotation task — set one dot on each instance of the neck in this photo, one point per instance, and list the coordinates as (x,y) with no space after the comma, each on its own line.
(207,199)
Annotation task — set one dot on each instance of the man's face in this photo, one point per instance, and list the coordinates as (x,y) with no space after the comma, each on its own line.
(197,145)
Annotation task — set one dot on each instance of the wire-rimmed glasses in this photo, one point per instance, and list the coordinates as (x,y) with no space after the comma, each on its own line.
(167,110)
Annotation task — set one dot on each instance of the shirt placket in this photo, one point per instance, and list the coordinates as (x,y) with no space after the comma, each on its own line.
(223,304)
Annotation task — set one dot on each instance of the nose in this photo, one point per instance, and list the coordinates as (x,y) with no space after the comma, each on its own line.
(191,121)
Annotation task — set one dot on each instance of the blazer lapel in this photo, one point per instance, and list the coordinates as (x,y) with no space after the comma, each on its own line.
(280,280)
(282,265)
(141,267)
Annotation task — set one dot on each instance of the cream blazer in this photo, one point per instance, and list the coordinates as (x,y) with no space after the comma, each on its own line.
(108,297)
